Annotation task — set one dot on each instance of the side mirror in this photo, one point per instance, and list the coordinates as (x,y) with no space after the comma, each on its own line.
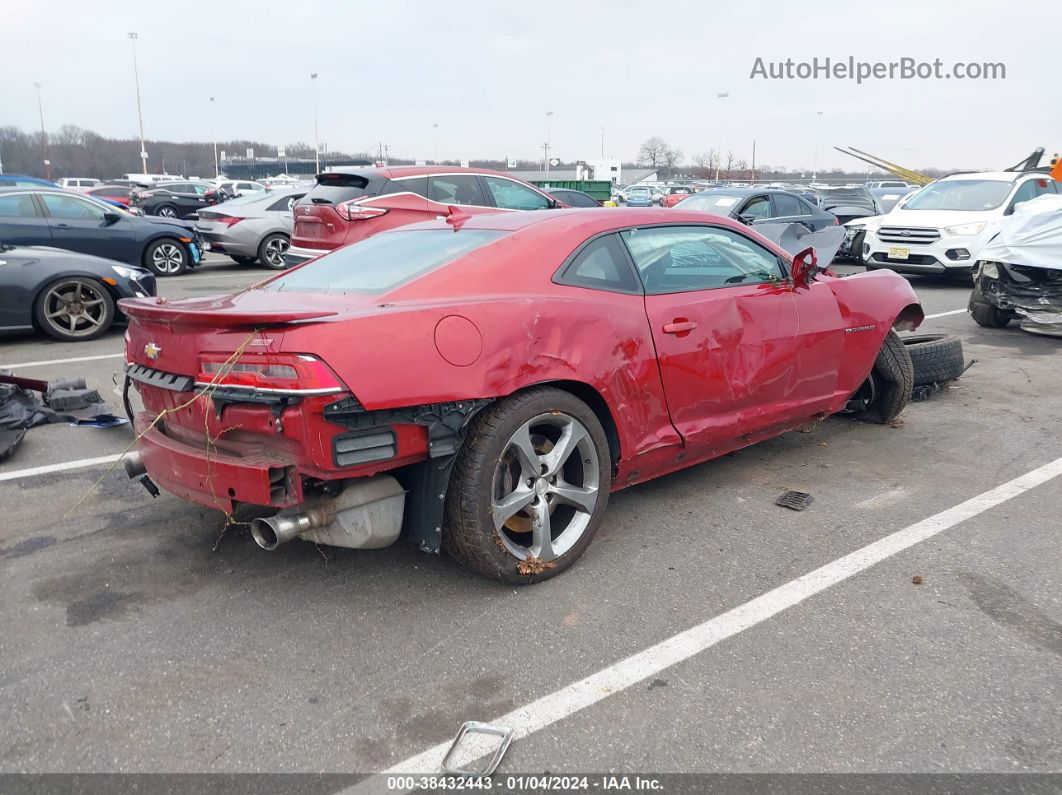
(804,268)
(747,219)
(110,218)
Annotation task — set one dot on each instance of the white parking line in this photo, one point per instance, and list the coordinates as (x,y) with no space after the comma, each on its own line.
(945,314)
(63,467)
(42,363)
(637,668)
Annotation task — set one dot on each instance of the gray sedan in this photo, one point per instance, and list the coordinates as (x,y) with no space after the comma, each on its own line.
(251,228)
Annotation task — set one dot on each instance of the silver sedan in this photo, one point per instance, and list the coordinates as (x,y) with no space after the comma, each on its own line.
(251,228)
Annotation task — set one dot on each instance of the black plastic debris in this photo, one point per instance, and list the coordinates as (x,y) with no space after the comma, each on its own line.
(9,440)
(795,500)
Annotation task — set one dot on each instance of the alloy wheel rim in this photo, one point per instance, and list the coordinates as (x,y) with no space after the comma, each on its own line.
(167,212)
(167,258)
(274,251)
(75,308)
(545,487)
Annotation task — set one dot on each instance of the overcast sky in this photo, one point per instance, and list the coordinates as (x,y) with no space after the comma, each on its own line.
(487,72)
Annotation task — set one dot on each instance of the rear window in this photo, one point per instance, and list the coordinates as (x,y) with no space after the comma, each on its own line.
(336,188)
(385,261)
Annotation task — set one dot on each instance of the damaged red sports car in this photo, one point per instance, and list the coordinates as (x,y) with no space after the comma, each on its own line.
(481,384)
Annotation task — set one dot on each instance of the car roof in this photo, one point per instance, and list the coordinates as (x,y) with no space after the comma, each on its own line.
(592,219)
(394,172)
(741,191)
(1001,176)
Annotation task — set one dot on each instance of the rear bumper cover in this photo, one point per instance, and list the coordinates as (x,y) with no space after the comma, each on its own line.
(215,479)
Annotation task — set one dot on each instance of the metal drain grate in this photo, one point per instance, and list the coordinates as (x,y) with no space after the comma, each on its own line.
(797,500)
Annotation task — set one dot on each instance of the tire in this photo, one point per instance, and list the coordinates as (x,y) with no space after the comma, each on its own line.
(490,472)
(890,383)
(936,358)
(988,316)
(271,251)
(166,257)
(167,211)
(855,253)
(74,309)
(240,259)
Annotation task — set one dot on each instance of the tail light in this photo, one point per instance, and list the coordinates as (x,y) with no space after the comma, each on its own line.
(359,212)
(834,222)
(219,218)
(281,373)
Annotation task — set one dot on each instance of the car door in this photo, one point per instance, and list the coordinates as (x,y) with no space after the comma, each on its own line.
(21,221)
(281,210)
(19,279)
(457,190)
(740,350)
(788,209)
(755,209)
(79,224)
(188,198)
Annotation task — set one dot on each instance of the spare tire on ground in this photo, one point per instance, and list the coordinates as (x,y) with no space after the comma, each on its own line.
(936,358)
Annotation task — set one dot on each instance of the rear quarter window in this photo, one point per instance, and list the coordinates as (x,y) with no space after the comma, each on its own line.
(385,261)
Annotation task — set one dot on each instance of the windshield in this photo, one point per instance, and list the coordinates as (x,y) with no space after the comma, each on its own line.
(710,202)
(383,262)
(960,194)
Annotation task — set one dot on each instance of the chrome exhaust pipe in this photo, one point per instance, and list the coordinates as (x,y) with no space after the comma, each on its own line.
(134,464)
(271,532)
(367,514)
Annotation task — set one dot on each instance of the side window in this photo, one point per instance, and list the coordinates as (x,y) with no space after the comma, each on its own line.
(70,208)
(786,205)
(514,196)
(416,185)
(601,265)
(1025,193)
(757,208)
(285,204)
(246,186)
(675,259)
(19,205)
(457,189)
(581,200)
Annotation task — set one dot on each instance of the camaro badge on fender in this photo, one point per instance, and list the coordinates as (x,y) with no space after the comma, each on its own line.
(152,351)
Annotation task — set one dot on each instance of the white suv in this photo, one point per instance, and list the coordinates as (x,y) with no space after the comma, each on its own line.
(943,227)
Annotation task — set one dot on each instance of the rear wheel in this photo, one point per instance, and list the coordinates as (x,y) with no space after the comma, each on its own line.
(166,257)
(986,315)
(886,391)
(529,487)
(74,309)
(271,251)
(166,211)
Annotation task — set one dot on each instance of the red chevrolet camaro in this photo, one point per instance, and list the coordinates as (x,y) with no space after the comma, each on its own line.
(481,384)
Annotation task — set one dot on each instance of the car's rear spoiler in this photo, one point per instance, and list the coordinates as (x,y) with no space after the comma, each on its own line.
(223,317)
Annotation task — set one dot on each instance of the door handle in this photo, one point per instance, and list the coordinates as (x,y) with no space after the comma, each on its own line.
(679,326)
(62,226)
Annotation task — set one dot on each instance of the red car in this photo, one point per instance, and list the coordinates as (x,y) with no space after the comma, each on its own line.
(676,194)
(353,203)
(481,384)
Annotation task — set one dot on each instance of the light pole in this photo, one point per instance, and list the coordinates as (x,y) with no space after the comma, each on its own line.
(602,143)
(217,167)
(139,112)
(44,136)
(435,137)
(316,137)
(719,154)
(545,149)
(815,169)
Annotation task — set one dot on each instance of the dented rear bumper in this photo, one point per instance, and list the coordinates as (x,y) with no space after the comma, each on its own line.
(214,478)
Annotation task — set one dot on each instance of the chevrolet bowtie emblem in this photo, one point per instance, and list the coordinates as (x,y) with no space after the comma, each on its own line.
(152,351)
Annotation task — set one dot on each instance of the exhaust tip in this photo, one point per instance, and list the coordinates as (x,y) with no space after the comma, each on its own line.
(134,464)
(264,534)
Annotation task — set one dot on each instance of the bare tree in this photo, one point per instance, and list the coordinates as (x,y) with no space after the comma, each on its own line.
(730,157)
(705,162)
(671,157)
(742,168)
(652,151)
